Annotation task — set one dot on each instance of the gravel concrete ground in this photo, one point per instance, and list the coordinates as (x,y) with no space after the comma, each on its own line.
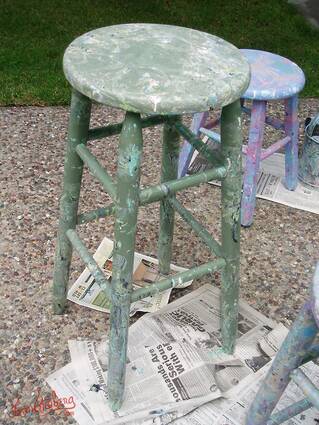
(278,251)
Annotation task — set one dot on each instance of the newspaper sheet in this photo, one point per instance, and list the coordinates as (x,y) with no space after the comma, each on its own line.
(175,360)
(232,408)
(177,372)
(270,184)
(233,411)
(66,383)
(86,292)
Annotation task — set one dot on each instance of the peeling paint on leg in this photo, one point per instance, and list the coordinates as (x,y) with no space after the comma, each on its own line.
(231,144)
(170,154)
(127,200)
(73,166)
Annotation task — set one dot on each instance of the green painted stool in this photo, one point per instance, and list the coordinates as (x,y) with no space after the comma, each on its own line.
(162,72)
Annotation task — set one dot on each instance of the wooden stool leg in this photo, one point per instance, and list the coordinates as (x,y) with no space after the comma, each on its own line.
(231,145)
(78,130)
(170,151)
(288,358)
(256,134)
(291,149)
(127,201)
(187,150)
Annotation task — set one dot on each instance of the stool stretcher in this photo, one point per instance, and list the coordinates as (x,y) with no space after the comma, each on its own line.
(113,129)
(139,294)
(306,386)
(178,279)
(289,412)
(97,170)
(158,192)
(213,157)
(200,230)
(89,261)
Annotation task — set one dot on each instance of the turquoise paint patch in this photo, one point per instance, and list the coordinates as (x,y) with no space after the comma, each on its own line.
(133,160)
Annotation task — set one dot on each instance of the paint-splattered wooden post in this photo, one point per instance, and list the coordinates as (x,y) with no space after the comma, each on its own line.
(231,144)
(253,157)
(291,148)
(170,152)
(273,78)
(73,168)
(155,88)
(296,350)
(126,208)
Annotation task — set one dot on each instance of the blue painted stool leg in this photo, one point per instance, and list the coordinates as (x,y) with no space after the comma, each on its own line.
(291,149)
(256,133)
(187,149)
(288,358)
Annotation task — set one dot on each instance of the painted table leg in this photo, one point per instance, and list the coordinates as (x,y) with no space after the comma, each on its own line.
(231,145)
(291,149)
(288,358)
(253,154)
(187,150)
(170,151)
(127,199)
(73,168)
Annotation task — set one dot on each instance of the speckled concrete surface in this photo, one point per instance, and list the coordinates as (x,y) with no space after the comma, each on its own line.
(278,251)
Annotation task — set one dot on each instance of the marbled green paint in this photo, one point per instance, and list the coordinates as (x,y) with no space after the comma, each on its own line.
(231,146)
(126,208)
(134,155)
(170,152)
(73,168)
(150,68)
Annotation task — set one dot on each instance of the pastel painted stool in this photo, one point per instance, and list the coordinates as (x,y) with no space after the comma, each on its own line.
(298,348)
(273,78)
(162,72)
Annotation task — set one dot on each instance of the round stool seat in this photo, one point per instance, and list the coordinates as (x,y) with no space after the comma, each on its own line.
(151,68)
(272,76)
